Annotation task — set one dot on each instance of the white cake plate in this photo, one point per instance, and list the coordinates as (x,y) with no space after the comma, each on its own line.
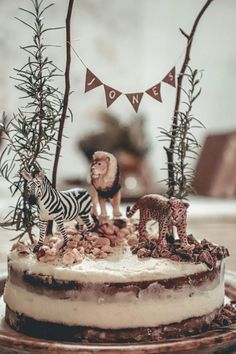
(219,341)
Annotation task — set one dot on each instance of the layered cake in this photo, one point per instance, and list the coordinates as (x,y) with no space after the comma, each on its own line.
(119,280)
(96,288)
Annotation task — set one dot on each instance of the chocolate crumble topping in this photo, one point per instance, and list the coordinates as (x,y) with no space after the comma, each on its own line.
(200,251)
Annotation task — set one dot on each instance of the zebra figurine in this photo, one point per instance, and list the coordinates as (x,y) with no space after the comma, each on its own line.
(58,206)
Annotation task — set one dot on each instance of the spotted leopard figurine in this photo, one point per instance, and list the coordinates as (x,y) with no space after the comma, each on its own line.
(167,212)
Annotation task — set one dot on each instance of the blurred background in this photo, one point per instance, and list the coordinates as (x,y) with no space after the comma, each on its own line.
(131,45)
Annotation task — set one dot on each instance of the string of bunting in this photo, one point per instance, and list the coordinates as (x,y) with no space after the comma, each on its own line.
(135,98)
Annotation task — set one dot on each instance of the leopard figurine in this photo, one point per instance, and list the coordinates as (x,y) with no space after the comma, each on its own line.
(167,212)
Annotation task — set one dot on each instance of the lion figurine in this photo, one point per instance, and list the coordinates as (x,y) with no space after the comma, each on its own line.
(105,178)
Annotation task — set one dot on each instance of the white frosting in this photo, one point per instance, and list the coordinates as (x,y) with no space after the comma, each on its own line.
(137,312)
(149,309)
(121,267)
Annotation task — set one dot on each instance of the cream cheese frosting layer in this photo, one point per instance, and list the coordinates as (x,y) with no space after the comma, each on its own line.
(139,312)
(120,267)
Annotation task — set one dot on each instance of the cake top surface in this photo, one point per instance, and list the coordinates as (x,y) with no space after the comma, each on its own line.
(121,266)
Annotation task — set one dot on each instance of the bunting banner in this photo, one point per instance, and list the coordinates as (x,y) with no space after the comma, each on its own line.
(111,94)
(135,99)
(155,92)
(170,78)
(91,81)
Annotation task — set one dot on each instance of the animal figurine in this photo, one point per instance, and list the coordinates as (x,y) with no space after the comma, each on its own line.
(168,213)
(105,178)
(58,206)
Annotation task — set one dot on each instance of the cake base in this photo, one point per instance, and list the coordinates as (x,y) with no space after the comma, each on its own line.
(208,342)
(48,330)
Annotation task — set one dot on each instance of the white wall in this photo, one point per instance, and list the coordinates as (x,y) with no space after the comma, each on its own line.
(131,45)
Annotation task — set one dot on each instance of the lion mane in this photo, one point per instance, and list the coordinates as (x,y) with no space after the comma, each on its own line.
(109,181)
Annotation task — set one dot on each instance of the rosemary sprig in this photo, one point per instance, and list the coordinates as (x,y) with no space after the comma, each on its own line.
(171,181)
(186,145)
(31,134)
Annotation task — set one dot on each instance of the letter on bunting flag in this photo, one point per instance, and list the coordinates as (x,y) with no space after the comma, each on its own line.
(91,81)
(170,77)
(111,94)
(135,99)
(155,92)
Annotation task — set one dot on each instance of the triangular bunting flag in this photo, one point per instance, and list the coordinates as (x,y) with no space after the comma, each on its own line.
(91,81)
(155,92)
(170,77)
(135,99)
(111,94)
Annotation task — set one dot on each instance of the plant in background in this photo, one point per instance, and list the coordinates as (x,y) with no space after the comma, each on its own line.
(186,145)
(31,134)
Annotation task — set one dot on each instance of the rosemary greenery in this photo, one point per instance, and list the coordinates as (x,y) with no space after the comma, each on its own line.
(186,145)
(31,134)
(179,184)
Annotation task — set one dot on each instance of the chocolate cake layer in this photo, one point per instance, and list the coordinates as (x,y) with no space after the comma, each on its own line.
(47,330)
(42,282)
(114,294)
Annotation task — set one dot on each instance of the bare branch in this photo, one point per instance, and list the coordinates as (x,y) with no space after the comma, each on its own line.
(170,156)
(184,34)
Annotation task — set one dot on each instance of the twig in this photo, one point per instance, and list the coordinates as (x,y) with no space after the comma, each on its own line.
(65,102)
(170,150)
(66,93)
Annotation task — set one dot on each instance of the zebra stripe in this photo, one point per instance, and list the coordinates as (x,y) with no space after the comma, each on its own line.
(85,208)
(59,206)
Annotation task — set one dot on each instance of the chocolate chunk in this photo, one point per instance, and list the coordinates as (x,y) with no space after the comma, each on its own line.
(121,223)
